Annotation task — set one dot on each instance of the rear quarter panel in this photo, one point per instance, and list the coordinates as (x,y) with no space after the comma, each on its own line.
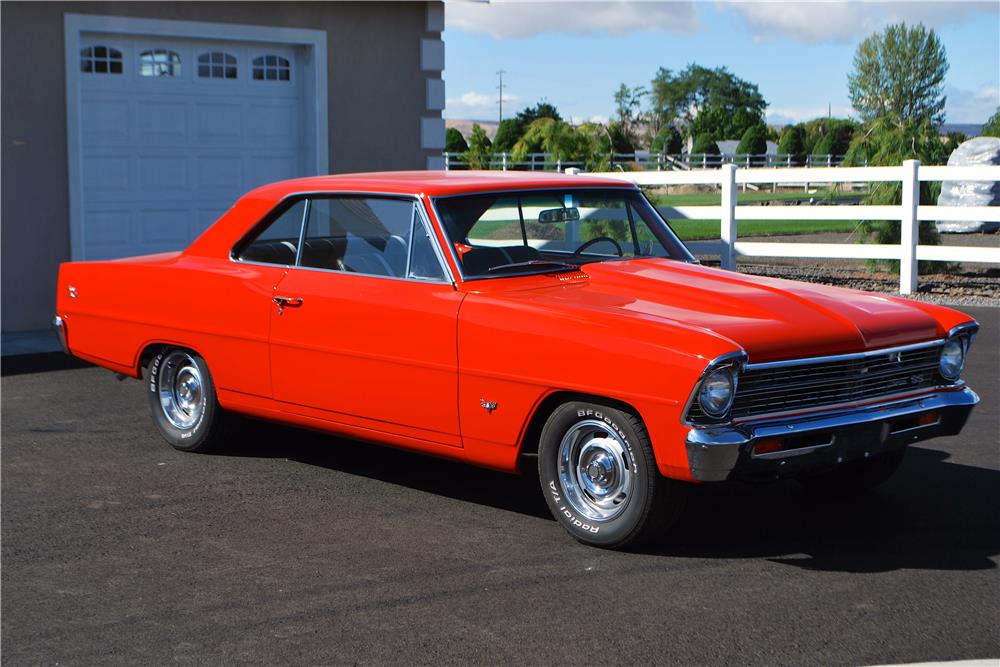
(218,308)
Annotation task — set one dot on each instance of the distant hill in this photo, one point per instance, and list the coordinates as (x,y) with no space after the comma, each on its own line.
(464,126)
(969,129)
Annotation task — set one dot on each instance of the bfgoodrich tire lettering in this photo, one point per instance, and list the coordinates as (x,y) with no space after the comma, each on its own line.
(599,477)
(182,400)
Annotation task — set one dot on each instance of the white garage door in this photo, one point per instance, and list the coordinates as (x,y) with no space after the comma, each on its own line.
(173,131)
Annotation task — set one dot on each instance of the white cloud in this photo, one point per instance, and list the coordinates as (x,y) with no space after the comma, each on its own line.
(476,105)
(514,18)
(599,118)
(846,21)
(971,106)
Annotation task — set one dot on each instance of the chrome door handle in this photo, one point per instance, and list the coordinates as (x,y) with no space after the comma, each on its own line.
(286,302)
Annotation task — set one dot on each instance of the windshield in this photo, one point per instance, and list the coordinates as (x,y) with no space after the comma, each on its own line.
(538,231)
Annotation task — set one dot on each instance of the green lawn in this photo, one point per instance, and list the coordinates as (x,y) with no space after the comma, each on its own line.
(696,230)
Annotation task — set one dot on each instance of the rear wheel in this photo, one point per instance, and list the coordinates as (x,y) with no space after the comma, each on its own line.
(855,477)
(182,400)
(599,477)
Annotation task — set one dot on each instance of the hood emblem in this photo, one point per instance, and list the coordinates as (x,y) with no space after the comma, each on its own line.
(489,406)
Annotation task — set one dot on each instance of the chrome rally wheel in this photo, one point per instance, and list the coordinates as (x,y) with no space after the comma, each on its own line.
(594,470)
(182,400)
(179,383)
(600,479)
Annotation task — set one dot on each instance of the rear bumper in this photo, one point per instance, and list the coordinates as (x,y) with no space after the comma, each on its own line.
(59,324)
(814,442)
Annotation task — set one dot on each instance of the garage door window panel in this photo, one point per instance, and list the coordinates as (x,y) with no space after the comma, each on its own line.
(217,65)
(277,239)
(101,60)
(159,62)
(272,68)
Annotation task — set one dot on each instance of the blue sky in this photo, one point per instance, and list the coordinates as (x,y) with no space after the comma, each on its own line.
(575,54)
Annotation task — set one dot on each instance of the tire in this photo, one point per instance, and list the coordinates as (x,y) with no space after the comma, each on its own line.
(856,477)
(182,400)
(600,480)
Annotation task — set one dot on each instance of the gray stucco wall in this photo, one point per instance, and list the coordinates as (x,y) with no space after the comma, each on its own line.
(377,96)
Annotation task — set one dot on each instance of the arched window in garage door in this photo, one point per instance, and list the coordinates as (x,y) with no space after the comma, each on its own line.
(159,62)
(100,60)
(217,65)
(272,68)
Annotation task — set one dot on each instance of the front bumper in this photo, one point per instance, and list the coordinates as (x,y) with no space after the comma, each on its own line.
(814,442)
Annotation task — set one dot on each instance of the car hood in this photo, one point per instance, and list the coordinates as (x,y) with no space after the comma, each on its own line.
(770,318)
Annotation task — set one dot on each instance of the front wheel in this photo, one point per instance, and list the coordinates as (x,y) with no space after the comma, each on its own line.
(599,477)
(182,400)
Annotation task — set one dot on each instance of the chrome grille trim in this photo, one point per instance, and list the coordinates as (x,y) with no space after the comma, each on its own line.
(803,384)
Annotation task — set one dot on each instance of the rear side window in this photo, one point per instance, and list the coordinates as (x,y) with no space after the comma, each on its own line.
(277,242)
(374,236)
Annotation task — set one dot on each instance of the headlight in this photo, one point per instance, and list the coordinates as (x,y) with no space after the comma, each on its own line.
(952,359)
(717,390)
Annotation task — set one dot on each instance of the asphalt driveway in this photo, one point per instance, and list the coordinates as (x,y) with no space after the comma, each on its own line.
(300,548)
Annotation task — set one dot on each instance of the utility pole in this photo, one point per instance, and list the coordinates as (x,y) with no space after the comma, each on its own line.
(500,73)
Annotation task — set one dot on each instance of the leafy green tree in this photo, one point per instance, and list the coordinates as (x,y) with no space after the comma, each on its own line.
(587,143)
(955,139)
(790,143)
(827,145)
(621,138)
(900,73)
(753,141)
(454,142)
(992,126)
(668,140)
(628,115)
(884,142)
(480,149)
(542,109)
(815,130)
(704,144)
(508,133)
(734,104)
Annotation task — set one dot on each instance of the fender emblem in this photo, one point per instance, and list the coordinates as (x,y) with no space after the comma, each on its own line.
(489,406)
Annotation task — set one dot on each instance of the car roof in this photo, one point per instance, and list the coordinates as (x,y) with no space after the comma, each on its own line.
(435,183)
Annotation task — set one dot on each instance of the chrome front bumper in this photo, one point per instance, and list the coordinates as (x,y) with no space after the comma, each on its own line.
(828,439)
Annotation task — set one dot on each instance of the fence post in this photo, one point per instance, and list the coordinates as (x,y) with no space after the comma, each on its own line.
(728,182)
(504,157)
(447,159)
(909,232)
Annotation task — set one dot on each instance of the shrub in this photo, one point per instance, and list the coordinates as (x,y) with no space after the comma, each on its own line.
(454,142)
(753,141)
(705,144)
(791,143)
(668,140)
(992,126)
(480,149)
(508,133)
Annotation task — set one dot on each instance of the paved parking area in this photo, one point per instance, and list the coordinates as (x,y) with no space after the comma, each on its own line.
(299,548)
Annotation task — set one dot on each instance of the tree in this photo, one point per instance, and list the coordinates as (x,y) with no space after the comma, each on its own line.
(704,144)
(541,110)
(508,133)
(753,141)
(454,142)
(480,149)
(668,140)
(955,139)
(621,138)
(900,73)
(791,144)
(628,114)
(841,131)
(734,104)
(587,143)
(992,126)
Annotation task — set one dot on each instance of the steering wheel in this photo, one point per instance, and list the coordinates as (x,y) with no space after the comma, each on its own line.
(587,244)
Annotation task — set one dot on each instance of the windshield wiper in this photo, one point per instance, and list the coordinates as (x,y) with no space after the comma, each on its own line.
(535,264)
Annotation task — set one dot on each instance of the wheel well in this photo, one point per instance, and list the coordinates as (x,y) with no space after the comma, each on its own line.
(529,443)
(154,349)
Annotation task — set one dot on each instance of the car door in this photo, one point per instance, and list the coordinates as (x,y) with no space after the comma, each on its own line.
(363,328)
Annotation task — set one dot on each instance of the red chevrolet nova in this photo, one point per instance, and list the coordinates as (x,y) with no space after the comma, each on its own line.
(512,319)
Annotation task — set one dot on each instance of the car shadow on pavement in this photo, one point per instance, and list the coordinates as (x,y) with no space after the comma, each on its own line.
(933,514)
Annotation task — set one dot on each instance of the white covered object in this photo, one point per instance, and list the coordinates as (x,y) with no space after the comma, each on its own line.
(971,153)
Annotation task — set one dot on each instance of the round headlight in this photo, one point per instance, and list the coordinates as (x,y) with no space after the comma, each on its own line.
(952,359)
(717,390)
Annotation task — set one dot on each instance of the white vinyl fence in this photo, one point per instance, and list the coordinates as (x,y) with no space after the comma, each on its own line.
(910,174)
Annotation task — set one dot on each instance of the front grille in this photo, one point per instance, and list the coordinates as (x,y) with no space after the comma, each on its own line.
(802,386)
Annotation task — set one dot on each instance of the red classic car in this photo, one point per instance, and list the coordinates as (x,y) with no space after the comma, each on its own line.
(513,320)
